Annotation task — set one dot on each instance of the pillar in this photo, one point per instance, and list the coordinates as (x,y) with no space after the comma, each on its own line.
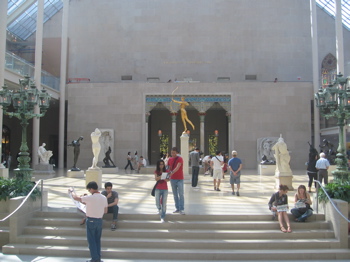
(201,131)
(63,72)
(229,130)
(184,138)
(146,150)
(3,24)
(37,78)
(173,128)
(315,69)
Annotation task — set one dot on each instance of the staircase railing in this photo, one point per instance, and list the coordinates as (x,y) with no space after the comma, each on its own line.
(25,199)
(330,200)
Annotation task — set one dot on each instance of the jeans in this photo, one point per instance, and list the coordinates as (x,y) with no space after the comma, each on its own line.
(195,171)
(178,191)
(93,233)
(161,196)
(301,217)
(114,210)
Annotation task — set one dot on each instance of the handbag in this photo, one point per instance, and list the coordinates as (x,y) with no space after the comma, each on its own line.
(153,193)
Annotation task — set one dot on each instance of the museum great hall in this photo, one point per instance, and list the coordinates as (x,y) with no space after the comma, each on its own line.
(248,71)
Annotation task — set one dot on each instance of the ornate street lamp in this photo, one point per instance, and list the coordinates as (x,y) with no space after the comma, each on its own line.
(334,101)
(24,100)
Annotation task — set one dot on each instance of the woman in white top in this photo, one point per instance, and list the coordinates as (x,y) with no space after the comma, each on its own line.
(303,204)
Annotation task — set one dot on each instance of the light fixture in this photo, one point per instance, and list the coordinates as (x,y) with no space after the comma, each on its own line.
(160,133)
(216,132)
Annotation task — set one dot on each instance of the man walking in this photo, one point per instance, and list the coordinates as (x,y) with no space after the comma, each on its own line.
(177,180)
(96,206)
(235,166)
(194,159)
(112,199)
(322,166)
(216,163)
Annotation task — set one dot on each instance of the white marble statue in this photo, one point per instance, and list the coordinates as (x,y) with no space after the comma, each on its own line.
(44,155)
(282,156)
(96,147)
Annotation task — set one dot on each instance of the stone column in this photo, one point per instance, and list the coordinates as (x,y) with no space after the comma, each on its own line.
(3,24)
(229,142)
(145,151)
(173,129)
(37,77)
(184,138)
(63,72)
(315,69)
(201,130)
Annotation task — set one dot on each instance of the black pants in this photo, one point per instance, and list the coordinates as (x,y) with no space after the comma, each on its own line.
(195,171)
(129,163)
(312,177)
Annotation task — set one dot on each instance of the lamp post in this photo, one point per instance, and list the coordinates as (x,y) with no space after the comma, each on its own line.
(23,101)
(334,101)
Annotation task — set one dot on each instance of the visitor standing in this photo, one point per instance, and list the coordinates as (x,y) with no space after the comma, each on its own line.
(96,206)
(216,163)
(322,166)
(177,180)
(194,160)
(235,166)
(161,192)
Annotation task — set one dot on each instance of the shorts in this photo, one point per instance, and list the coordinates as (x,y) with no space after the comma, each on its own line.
(217,174)
(235,179)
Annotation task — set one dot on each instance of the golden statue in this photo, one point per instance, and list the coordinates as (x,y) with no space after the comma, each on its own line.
(184,116)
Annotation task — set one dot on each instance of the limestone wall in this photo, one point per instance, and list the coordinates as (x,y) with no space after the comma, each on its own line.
(259,109)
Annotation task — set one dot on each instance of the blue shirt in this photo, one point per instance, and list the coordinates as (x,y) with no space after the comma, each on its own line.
(322,163)
(234,163)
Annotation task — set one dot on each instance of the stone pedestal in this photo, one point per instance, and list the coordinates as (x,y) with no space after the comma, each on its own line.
(184,138)
(4,172)
(284,178)
(267,170)
(94,175)
(75,174)
(110,170)
(43,171)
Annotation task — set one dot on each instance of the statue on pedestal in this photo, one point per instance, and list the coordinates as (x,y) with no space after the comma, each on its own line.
(96,147)
(44,155)
(76,145)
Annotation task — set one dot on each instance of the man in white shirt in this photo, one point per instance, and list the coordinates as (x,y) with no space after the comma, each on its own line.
(322,166)
(142,163)
(216,163)
(96,206)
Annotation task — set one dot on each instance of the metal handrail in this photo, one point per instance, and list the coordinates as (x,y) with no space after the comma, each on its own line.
(25,199)
(330,200)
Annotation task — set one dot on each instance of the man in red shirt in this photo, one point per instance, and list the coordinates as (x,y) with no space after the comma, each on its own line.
(177,180)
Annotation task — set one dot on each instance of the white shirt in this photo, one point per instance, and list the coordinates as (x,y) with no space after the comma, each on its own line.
(95,205)
(216,161)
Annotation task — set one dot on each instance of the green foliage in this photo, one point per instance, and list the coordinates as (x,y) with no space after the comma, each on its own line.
(10,188)
(335,191)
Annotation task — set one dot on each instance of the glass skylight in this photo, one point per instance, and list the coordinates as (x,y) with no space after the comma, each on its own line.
(25,24)
(329,7)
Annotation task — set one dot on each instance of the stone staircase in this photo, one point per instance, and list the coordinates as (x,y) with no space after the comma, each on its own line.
(189,237)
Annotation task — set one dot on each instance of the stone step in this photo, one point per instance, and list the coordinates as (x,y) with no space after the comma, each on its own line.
(185,233)
(219,244)
(180,254)
(175,224)
(72,213)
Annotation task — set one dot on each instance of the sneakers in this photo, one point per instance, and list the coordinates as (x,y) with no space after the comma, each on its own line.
(113,227)
(182,212)
(218,189)
(237,193)
(214,188)
(162,220)
(233,193)
(176,211)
